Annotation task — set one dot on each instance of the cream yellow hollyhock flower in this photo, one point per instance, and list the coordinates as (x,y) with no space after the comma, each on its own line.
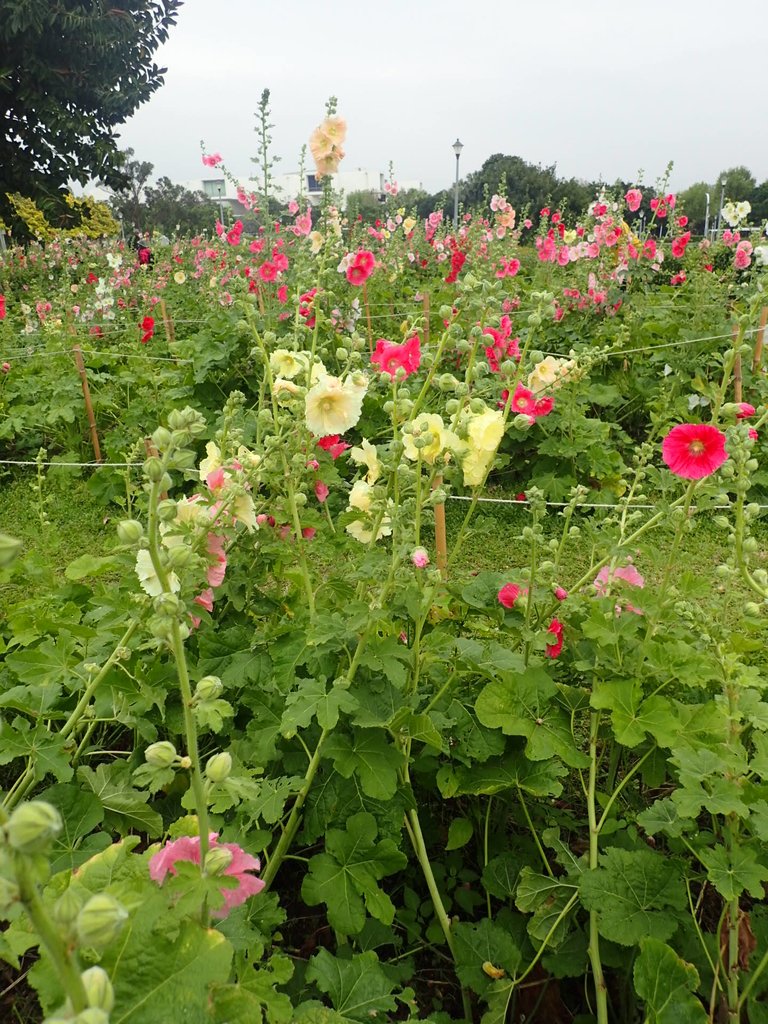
(284,363)
(408,225)
(248,458)
(281,386)
(148,578)
(361,499)
(179,277)
(475,466)
(212,460)
(315,242)
(333,406)
(550,373)
(442,438)
(485,430)
(366,455)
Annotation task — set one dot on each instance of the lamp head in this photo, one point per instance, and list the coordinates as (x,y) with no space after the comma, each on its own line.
(457,148)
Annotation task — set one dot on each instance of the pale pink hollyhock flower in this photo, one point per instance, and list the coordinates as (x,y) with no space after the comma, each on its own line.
(420,558)
(321,491)
(210,160)
(205,600)
(633,199)
(188,849)
(628,573)
(218,556)
(293,207)
(5,367)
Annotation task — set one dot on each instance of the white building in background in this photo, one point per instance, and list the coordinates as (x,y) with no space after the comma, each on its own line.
(290,186)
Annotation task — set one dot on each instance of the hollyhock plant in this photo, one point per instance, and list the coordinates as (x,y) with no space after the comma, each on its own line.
(188,849)
(694,450)
(391,357)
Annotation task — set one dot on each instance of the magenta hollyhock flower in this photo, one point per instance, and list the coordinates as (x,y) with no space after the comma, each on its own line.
(509,594)
(694,450)
(361,268)
(321,491)
(390,357)
(523,400)
(188,849)
(561,593)
(556,645)
(745,411)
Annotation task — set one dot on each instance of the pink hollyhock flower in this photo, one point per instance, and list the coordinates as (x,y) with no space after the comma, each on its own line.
(741,259)
(513,267)
(321,491)
(544,406)
(361,268)
(556,645)
(282,293)
(679,245)
(188,849)
(753,435)
(211,159)
(694,450)
(745,411)
(390,357)
(628,573)
(420,558)
(561,593)
(256,245)
(308,532)
(333,445)
(633,199)
(523,400)
(205,600)
(509,594)
(293,207)
(267,271)
(218,555)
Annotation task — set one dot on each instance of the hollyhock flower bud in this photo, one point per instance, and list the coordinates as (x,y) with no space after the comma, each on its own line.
(218,860)
(33,826)
(98,988)
(167,510)
(219,767)
(161,755)
(208,688)
(93,1015)
(66,908)
(560,593)
(100,921)
(420,558)
(180,556)
(153,468)
(129,531)
(161,438)
(166,604)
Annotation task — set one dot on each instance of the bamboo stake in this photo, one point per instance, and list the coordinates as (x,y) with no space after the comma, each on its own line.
(737,377)
(88,404)
(170,330)
(758,356)
(441,539)
(368,316)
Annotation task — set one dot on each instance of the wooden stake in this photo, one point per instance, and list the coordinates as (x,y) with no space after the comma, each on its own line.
(368,316)
(426,318)
(153,453)
(758,356)
(88,404)
(737,378)
(170,330)
(441,539)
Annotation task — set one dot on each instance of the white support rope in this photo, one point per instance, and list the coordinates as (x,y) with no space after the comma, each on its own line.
(568,504)
(79,465)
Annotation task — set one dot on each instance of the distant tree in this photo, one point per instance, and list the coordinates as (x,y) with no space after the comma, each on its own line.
(176,210)
(127,199)
(693,201)
(366,204)
(759,201)
(739,183)
(72,70)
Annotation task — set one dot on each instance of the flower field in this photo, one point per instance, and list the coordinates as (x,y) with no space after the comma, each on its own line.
(278,751)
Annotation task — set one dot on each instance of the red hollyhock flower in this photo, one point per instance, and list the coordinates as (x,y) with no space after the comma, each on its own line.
(556,632)
(2,307)
(390,357)
(333,445)
(694,450)
(148,329)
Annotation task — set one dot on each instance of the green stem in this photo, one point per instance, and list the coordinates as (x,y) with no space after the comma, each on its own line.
(65,965)
(632,771)
(534,833)
(601,993)
(294,819)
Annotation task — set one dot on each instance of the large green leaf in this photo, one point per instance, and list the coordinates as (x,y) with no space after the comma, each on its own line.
(513,770)
(310,701)
(369,755)
(125,807)
(483,945)
(358,988)
(345,877)
(47,751)
(544,898)
(635,893)
(733,872)
(81,812)
(666,985)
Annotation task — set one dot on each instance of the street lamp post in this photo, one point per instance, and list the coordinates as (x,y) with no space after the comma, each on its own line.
(221,205)
(457,148)
(722,200)
(706,218)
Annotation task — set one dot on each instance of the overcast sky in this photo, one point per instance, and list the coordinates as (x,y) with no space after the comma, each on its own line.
(602,88)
